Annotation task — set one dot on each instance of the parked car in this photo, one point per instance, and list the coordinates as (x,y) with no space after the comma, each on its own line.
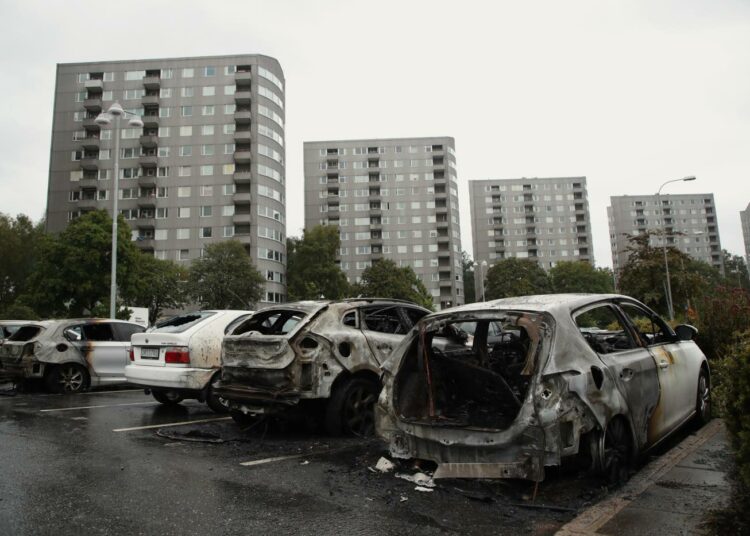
(179,358)
(70,355)
(598,377)
(314,350)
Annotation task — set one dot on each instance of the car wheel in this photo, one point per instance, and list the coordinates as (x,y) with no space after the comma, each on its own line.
(616,452)
(703,399)
(351,409)
(215,402)
(168,397)
(68,378)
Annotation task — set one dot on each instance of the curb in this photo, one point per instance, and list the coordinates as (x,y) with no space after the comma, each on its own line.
(596,516)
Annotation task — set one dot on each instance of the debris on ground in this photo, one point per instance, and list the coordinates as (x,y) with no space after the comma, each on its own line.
(420,479)
(404,498)
(384,465)
(198,436)
(305,462)
(422,488)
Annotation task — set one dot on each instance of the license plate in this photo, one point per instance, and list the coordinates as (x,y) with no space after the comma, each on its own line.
(149,353)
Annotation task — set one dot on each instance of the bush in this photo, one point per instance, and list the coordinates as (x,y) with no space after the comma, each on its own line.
(719,316)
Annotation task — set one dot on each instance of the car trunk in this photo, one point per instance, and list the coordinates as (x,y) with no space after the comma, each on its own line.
(149,349)
(468,372)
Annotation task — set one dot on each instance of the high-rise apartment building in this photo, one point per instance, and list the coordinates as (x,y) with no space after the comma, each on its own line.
(391,199)
(745,219)
(208,164)
(688,220)
(541,219)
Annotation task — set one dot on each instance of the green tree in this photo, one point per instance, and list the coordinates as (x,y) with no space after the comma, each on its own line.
(735,270)
(21,241)
(516,277)
(467,266)
(385,279)
(311,271)
(579,276)
(160,285)
(72,275)
(225,278)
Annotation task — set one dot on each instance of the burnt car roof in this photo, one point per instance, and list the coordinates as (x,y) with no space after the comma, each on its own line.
(309,306)
(551,303)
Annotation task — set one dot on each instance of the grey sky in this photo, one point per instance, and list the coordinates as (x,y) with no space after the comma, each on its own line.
(628,93)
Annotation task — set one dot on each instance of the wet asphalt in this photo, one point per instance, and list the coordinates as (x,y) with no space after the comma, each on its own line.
(84,464)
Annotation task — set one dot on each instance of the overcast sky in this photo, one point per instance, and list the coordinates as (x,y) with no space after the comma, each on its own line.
(627,93)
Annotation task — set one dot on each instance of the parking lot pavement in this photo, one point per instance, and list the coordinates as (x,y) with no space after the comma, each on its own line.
(120,463)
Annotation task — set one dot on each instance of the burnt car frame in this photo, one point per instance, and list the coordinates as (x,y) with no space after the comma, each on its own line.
(69,355)
(598,378)
(319,353)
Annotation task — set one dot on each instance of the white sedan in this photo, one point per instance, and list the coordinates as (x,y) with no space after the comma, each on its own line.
(180,357)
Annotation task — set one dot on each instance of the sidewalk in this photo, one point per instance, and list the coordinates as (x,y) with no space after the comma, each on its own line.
(670,495)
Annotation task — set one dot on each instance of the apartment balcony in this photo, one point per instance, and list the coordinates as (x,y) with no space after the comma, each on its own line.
(242,198)
(145,223)
(243,135)
(150,161)
(147,201)
(242,79)
(242,117)
(242,96)
(149,141)
(90,164)
(243,157)
(94,86)
(90,143)
(151,82)
(150,121)
(93,105)
(89,123)
(244,239)
(242,177)
(89,204)
(443,239)
(242,219)
(147,181)
(150,100)
(145,243)
(88,184)
(445,283)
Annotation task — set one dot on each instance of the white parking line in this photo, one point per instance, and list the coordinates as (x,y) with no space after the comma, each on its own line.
(113,391)
(279,458)
(100,406)
(169,424)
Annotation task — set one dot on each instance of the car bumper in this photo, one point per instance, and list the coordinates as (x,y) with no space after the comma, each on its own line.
(193,379)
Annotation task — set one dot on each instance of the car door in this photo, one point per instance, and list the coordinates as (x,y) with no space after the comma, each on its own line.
(384,326)
(105,354)
(672,358)
(123,332)
(631,365)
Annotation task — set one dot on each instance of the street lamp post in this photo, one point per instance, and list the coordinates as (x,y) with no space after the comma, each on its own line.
(670,306)
(482,270)
(105,119)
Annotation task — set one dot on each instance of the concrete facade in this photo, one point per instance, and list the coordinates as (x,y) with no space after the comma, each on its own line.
(391,199)
(690,223)
(541,219)
(208,165)
(745,219)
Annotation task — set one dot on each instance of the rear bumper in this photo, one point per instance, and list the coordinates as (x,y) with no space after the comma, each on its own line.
(256,399)
(192,379)
(27,367)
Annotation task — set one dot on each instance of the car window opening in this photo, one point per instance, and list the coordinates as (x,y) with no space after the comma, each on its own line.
(178,324)
(272,322)
(603,330)
(25,333)
(468,374)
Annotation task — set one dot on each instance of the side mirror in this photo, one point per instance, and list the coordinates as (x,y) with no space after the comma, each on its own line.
(685,332)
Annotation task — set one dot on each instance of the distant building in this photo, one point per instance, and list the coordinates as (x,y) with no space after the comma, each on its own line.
(208,165)
(541,219)
(745,219)
(393,198)
(688,219)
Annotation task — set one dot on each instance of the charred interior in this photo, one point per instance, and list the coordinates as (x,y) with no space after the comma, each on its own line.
(468,372)
(273,322)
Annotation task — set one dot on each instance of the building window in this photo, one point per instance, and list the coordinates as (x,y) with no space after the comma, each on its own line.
(187,92)
(209,91)
(188,72)
(206,211)
(186,131)
(206,232)
(207,130)
(209,71)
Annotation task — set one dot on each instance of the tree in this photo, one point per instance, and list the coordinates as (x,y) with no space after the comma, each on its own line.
(467,266)
(735,270)
(516,277)
(579,276)
(385,279)
(21,241)
(72,275)
(311,271)
(160,285)
(225,278)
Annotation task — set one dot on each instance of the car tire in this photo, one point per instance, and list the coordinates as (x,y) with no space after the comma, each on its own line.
(351,408)
(167,397)
(215,402)
(617,453)
(703,399)
(67,378)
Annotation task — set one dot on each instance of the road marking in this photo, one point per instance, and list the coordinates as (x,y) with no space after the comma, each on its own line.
(100,406)
(114,391)
(281,458)
(170,424)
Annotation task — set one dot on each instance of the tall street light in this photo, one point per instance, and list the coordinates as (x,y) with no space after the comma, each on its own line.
(670,307)
(104,119)
(482,270)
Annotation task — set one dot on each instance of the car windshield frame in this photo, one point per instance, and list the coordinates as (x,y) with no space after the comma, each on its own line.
(181,323)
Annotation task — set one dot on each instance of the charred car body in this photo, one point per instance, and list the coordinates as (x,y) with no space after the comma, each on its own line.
(314,350)
(70,355)
(596,377)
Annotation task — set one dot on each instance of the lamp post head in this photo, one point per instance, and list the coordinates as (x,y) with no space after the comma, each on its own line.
(484,264)
(103,119)
(691,178)
(116,109)
(135,122)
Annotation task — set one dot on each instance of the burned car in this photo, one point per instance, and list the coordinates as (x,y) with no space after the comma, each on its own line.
(596,378)
(70,355)
(323,351)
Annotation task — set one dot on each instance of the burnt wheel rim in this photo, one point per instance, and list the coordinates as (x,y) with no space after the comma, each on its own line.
(70,379)
(616,452)
(358,411)
(704,397)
